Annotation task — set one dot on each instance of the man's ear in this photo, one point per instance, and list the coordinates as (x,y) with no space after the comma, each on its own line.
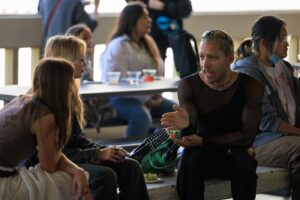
(230,58)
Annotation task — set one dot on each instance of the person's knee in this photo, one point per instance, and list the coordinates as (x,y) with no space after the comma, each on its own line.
(246,169)
(141,116)
(103,183)
(132,167)
(104,176)
(139,123)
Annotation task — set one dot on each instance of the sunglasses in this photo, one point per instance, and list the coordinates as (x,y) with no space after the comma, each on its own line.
(218,34)
(224,40)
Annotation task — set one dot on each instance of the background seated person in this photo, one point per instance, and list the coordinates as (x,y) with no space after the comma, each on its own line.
(97,110)
(132,49)
(41,120)
(219,120)
(278,141)
(83,32)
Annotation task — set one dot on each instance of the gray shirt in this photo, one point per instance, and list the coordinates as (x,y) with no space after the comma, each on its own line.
(272,110)
(16,139)
(122,54)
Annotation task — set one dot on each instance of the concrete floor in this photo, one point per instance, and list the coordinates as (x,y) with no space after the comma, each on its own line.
(117,133)
(269,197)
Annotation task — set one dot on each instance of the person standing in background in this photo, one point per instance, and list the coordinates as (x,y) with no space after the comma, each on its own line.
(59,15)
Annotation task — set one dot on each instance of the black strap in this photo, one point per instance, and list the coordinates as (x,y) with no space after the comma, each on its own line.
(7,174)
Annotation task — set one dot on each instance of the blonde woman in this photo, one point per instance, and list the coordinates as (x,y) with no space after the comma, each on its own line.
(42,119)
(107,166)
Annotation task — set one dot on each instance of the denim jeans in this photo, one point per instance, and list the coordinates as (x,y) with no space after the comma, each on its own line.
(138,116)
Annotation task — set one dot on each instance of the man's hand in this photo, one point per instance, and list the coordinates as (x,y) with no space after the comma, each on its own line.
(188,141)
(178,119)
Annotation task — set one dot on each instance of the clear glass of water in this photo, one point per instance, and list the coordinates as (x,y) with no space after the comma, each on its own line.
(133,77)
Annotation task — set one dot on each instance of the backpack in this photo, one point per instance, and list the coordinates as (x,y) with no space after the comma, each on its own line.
(157,153)
(185,51)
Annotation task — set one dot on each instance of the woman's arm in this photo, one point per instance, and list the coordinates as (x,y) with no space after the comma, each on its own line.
(285,127)
(52,159)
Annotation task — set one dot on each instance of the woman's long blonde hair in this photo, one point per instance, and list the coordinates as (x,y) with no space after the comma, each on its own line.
(52,84)
(72,49)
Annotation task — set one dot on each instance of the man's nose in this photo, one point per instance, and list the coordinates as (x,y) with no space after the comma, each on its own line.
(204,63)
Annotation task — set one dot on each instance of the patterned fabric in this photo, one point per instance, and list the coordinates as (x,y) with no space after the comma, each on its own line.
(37,184)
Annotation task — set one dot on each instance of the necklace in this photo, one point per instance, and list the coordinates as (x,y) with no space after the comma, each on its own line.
(222,86)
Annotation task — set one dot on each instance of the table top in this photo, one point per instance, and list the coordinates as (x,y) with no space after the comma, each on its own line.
(90,90)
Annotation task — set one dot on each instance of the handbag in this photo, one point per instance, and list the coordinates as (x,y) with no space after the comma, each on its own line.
(157,153)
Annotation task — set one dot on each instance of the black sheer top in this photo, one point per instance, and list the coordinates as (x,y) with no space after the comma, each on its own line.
(227,117)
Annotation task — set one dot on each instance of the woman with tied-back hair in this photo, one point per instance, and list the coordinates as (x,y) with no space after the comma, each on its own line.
(131,48)
(278,143)
(245,49)
(108,167)
(83,32)
(41,120)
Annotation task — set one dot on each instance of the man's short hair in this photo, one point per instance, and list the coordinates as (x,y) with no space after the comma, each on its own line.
(222,38)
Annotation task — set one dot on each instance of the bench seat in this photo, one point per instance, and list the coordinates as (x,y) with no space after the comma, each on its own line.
(269,180)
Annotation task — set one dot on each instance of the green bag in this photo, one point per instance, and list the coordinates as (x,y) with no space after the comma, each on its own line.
(161,159)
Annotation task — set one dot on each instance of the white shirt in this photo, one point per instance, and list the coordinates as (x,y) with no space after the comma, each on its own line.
(122,54)
(280,81)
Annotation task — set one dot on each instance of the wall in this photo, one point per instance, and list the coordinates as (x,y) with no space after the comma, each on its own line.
(25,31)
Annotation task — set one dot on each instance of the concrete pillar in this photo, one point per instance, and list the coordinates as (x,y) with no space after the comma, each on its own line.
(35,57)
(11,66)
(293,49)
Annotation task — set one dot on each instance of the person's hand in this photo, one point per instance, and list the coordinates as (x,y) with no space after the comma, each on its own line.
(154,101)
(114,154)
(80,184)
(156,4)
(178,119)
(188,141)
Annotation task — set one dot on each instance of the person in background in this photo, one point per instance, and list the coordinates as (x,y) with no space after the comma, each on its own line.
(108,167)
(277,143)
(41,120)
(219,118)
(97,110)
(59,15)
(83,32)
(167,16)
(245,49)
(130,48)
